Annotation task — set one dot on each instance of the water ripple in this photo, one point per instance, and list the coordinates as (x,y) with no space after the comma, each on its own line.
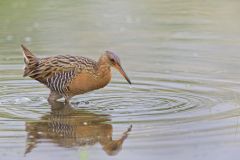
(153,99)
(155,103)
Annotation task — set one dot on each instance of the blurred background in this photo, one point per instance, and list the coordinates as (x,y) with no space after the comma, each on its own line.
(181,55)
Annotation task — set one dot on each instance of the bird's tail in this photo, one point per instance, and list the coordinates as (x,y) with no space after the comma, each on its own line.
(30,60)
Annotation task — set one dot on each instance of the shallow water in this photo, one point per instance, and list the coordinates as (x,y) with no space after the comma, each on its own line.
(182,57)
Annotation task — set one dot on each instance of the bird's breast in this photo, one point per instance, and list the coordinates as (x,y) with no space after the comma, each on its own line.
(86,82)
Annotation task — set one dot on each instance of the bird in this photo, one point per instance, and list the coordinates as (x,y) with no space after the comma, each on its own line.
(67,76)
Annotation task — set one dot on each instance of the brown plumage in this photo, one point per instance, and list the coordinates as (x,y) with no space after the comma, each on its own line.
(67,76)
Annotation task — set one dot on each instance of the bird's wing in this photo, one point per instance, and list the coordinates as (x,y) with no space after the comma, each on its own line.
(57,72)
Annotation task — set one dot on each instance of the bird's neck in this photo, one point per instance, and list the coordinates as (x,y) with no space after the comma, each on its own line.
(103,68)
(103,73)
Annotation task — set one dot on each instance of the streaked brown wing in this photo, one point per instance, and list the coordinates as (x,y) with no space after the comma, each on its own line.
(57,72)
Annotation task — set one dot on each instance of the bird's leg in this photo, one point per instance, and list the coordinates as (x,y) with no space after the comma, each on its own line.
(53,96)
(67,99)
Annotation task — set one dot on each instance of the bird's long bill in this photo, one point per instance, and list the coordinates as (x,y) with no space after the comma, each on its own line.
(120,69)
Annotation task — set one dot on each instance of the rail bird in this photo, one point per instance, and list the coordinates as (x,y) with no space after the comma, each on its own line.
(67,76)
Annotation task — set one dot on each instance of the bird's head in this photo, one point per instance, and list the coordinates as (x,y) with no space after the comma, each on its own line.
(114,61)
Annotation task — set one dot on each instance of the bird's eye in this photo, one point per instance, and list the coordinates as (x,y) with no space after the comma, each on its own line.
(112,60)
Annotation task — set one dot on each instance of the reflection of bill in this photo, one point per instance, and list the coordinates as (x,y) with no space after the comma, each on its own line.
(69,127)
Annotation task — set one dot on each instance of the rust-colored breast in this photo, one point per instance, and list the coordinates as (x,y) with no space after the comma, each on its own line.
(85,82)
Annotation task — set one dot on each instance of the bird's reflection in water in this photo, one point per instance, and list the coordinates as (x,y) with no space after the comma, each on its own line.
(70,127)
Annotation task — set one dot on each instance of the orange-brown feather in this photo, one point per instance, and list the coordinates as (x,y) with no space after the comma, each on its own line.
(85,82)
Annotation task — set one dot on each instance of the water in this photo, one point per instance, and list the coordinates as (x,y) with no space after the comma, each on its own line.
(182,57)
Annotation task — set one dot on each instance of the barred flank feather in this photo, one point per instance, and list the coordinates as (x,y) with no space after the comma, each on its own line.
(58,82)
